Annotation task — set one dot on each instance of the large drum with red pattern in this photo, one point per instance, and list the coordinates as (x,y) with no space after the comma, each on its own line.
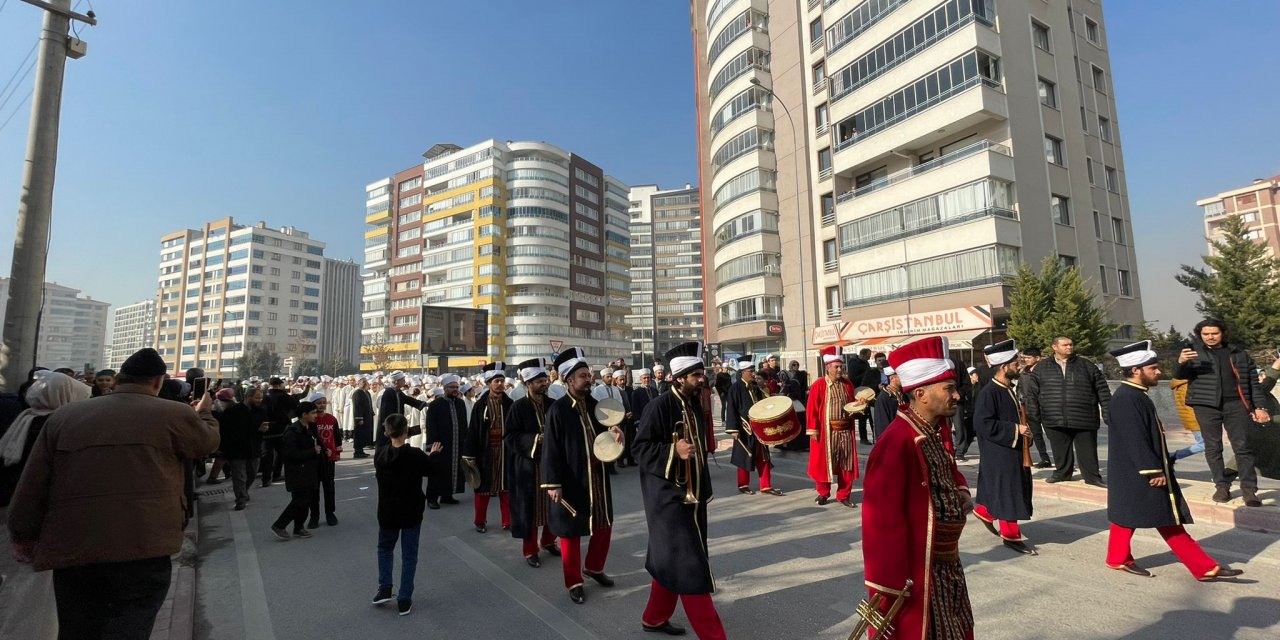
(774,421)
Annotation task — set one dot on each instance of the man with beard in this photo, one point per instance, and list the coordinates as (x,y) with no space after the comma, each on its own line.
(529,503)
(576,481)
(833,455)
(748,453)
(660,378)
(1004,470)
(393,401)
(281,406)
(446,426)
(361,418)
(915,502)
(1143,491)
(672,447)
(483,447)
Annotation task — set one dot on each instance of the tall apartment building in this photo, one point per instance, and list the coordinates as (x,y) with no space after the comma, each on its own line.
(225,288)
(536,236)
(1257,204)
(666,271)
(73,329)
(946,142)
(133,328)
(340,302)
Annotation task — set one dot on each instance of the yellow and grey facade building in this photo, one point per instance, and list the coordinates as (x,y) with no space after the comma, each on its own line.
(535,235)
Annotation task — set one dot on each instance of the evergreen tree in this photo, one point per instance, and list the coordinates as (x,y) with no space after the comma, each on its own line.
(1240,286)
(258,361)
(1053,303)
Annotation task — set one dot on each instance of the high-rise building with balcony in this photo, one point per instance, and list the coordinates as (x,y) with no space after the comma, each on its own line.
(1258,206)
(666,271)
(755,193)
(226,288)
(73,329)
(133,328)
(536,236)
(945,142)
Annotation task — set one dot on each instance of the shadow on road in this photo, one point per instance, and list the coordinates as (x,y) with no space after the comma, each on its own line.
(1246,613)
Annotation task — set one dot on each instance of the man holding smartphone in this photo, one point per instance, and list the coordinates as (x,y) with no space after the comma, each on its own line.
(1225,396)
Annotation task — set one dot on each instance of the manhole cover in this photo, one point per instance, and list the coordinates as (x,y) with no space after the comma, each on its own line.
(214,492)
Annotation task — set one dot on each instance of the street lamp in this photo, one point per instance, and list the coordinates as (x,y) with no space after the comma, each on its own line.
(795,159)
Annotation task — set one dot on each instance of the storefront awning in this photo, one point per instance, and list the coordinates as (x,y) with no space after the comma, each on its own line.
(957,340)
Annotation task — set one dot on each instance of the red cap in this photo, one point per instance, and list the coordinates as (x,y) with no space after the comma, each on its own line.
(923,362)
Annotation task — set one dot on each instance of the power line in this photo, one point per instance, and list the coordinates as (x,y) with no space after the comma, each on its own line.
(4,100)
(16,109)
(20,64)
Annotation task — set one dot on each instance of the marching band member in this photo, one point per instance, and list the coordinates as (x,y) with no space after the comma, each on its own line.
(748,453)
(671,449)
(1004,470)
(575,480)
(483,446)
(524,452)
(833,453)
(915,502)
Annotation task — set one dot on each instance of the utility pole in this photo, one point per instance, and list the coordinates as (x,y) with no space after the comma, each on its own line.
(35,206)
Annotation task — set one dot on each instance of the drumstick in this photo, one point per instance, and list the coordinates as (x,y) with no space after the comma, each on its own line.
(568,508)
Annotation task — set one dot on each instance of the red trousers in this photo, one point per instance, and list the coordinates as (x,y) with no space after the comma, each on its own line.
(571,556)
(844,485)
(744,478)
(482,508)
(1183,545)
(698,607)
(532,543)
(1008,528)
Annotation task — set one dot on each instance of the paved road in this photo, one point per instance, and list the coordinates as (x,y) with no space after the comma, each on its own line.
(786,568)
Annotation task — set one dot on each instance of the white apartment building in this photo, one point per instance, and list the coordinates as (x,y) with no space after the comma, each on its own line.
(946,142)
(73,329)
(225,288)
(133,328)
(536,236)
(666,271)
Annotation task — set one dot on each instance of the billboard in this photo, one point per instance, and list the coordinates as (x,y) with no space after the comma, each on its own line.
(454,331)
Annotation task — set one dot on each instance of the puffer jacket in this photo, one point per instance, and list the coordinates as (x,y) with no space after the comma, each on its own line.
(1202,374)
(1066,401)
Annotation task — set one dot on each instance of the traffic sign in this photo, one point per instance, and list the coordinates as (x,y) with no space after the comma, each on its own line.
(555,345)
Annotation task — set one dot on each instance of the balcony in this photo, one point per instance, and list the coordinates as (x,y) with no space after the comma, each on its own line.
(378,217)
(969,104)
(821,85)
(830,266)
(833,313)
(949,159)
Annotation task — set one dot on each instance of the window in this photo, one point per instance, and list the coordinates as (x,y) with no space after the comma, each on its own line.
(1067,262)
(411,183)
(742,144)
(1102,278)
(821,118)
(979,199)
(752,58)
(741,25)
(1104,129)
(819,74)
(586,315)
(829,251)
(1097,225)
(1117,230)
(815,31)
(411,200)
(1126,287)
(1060,207)
(1091,30)
(1088,165)
(1040,36)
(743,103)
(833,298)
(824,162)
(1053,151)
(1048,93)
(586,280)
(754,265)
(1113,179)
(1099,79)
(748,182)
(745,225)
(861,18)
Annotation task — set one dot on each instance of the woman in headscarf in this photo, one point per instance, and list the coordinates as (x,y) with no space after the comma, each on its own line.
(32,613)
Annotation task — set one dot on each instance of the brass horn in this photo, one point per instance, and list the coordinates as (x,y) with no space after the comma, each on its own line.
(881,623)
(690,497)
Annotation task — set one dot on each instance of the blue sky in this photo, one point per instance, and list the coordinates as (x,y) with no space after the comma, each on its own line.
(282,111)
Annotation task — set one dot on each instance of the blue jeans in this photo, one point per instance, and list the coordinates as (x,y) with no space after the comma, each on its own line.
(408,558)
(1187,452)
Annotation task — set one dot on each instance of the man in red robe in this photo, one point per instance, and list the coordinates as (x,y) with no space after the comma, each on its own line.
(915,503)
(833,454)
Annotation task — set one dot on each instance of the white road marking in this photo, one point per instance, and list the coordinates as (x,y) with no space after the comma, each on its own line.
(253,595)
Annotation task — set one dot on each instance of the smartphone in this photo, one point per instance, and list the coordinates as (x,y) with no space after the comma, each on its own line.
(199,387)
(1186,344)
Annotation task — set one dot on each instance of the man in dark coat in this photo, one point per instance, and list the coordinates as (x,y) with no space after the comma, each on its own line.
(393,400)
(576,481)
(660,378)
(1066,394)
(748,453)
(1004,470)
(643,394)
(484,448)
(1225,395)
(362,418)
(887,402)
(301,453)
(529,503)
(447,425)
(281,406)
(1143,491)
(673,466)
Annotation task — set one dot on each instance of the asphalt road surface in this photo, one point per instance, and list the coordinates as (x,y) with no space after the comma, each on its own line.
(785,568)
